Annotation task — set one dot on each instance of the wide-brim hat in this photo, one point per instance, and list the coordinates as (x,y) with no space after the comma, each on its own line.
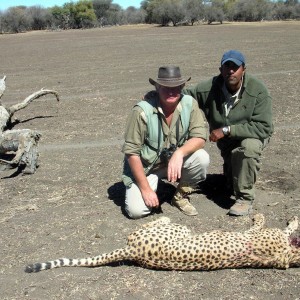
(169,76)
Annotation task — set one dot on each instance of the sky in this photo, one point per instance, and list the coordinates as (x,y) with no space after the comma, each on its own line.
(4,4)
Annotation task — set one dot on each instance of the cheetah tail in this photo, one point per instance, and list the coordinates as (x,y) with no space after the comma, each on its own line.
(103,259)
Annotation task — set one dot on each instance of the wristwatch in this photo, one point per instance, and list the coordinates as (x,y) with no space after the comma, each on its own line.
(226,130)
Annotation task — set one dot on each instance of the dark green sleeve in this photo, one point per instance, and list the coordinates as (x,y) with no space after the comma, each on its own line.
(260,124)
(200,92)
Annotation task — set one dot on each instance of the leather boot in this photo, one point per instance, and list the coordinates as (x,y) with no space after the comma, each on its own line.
(182,201)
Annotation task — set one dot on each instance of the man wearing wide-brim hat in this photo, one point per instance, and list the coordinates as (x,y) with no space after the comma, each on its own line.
(164,138)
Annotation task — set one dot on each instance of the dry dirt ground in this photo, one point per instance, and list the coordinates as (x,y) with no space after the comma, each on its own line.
(72,205)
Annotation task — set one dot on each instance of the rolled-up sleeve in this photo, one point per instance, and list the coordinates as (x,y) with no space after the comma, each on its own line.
(198,125)
(135,132)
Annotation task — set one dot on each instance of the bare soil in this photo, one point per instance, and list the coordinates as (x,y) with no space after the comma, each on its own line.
(72,205)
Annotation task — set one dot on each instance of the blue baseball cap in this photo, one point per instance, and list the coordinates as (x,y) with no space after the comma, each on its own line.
(235,56)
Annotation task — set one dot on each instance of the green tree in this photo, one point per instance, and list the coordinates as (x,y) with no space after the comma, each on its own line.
(61,17)
(193,10)
(165,11)
(284,10)
(255,10)
(175,11)
(291,2)
(15,20)
(214,11)
(229,9)
(134,16)
(84,14)
(149,7)
(1,23)
(75,15)
(38,17)
(101,9)
(114,15)
(160,12)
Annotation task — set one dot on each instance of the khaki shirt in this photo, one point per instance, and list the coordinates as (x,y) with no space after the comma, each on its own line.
(136,128)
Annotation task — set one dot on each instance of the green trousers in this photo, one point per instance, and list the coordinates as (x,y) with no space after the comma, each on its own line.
(241,165)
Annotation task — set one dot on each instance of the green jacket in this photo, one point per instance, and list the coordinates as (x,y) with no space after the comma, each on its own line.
(250,117)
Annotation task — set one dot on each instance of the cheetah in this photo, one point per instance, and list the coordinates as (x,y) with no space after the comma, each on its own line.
(163,245)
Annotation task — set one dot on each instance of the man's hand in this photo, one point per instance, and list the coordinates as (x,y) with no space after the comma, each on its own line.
(216,134)
(175,166)
(176,162)
(150,198)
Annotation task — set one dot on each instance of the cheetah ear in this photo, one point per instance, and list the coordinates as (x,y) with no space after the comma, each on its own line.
(293,224)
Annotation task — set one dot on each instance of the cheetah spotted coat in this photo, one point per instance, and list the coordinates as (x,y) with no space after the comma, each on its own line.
(163,245)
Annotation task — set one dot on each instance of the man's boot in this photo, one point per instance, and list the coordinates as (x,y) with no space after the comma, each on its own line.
(241,208)
(182,201)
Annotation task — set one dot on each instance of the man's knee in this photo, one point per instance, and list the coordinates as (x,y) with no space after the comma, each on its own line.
(200,158)
(135,211)
(250,148)
(195,167)
(204,158)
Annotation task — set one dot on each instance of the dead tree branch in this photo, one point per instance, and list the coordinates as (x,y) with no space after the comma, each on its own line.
(30,98)
(2,86)
(22,142)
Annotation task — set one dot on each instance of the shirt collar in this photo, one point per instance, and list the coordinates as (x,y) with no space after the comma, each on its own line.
(228,95)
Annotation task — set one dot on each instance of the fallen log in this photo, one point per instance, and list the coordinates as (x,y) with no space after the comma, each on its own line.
(22,144)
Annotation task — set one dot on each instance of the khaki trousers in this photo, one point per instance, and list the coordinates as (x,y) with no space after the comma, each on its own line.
(194,170)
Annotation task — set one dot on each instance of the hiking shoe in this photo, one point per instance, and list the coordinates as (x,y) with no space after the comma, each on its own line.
(241,208)
(182,201)
(184,205)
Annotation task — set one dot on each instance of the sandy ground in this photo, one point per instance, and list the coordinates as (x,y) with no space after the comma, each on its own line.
(72,205)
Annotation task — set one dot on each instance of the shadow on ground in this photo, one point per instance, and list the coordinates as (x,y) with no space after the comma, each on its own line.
(214,188)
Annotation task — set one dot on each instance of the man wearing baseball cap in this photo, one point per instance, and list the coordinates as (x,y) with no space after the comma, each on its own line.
(238,108)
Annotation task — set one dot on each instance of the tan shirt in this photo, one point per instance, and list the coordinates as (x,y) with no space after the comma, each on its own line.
(136,128)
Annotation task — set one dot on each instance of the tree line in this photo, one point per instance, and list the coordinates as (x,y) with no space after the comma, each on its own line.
(99,13)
